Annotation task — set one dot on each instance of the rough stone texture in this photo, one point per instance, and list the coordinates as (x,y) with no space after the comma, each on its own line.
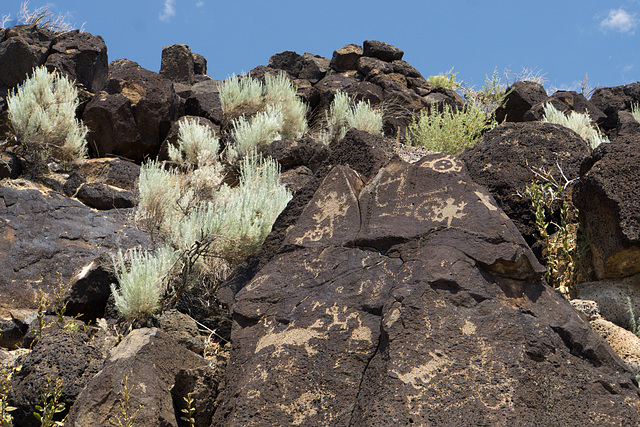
(611,100)
(47,238)
(503,158)
(381,50)
(623,342)
(104,197)
(607,197)
(111,171)
(177,64)
(149,360)
(627,127)
(89,290)
(296,179)
(82,57)
(346,58)
(373,66)
(204,384)
(61,354)
(312,67)
(287,61)
(566,101)
(521,97)
(323,92)
(199,64)
(11,334)
(10,166)
(392,296)
(613,297)
(133,115)
(204,101)
(291,153)
(182,328)
(24,47)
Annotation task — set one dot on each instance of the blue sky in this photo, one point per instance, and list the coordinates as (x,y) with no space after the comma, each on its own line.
(561,39)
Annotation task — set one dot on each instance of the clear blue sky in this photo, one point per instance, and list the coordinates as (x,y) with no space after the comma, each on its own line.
(562,39)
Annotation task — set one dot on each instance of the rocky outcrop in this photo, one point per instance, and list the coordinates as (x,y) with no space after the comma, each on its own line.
(613,297)
(132,115)
(566,101)
(146,362)
(520,98)
(611,100)
(505,158)
(68,356)
(46,238)
(607,198)
(390,295)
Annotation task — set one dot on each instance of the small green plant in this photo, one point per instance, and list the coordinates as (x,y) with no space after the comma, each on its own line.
(345,114)
(578,122)
(6,374)
(42,112)
(125,418)
(51,404)
(491,96)
(445,81)
(189,411)
(60,309)
(634,322)
(449,131)
(565,249)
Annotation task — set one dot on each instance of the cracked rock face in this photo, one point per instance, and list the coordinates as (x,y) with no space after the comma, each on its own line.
(411,298)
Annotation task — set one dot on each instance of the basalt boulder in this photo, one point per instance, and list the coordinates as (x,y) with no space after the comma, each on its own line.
(607,198)
(506,159)
(133,113)
(566,101)
(611,100)
(520,98)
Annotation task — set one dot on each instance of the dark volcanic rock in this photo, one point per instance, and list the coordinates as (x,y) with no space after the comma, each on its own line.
(503,160)
(47,238)
(177,64)
(90,289)
(613,99)
(82,57)
(412,299)
(521,97)
(148,360)
(172,136)
(204,101)
(346,58)
(607,197)
(61,354)
(24,47)
(291,153)
(10,165)
(381,50)
(104,197)
(566,101)
(134,114)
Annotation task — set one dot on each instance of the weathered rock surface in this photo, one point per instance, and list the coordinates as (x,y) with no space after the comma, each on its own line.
(613,297)
(133,114)
(46,238)
(390,296)
(346,58)
(23,48)
(504,159)
(61,354)
(148,360)
(566,101)
(611,100)
(520,98)
(381,50)
(177,64)
(607,196)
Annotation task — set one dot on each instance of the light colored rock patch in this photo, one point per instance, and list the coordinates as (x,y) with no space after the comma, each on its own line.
(304,407)
(468,328)
(449,211)
(291,336)
(486,201)
(328,210)
(423,374)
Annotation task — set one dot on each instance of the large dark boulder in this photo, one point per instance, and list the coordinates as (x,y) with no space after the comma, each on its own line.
(82,57)
(611,100)
(505,158)
(177,64)
(346,58)
(133,114)
(520,98)
(607,197)
(204,101)
(68,356)
(381,50)
(47,238)
(24,48)
(410,298)
(147,361)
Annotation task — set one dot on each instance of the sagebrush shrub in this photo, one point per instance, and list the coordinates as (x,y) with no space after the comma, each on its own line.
(580,123)
(445,81)
(42,112)
(197,145)
(451,130)
(344,114)
(142,279)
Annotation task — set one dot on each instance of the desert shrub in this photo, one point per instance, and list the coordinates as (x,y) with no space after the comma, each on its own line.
(142,279)
(445,81)
(42,112)
(635,112)
(344,114)
(580,123)
(257,132)
(449,131)
(239,91)
(280,91)
(197,145)
(491,96)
